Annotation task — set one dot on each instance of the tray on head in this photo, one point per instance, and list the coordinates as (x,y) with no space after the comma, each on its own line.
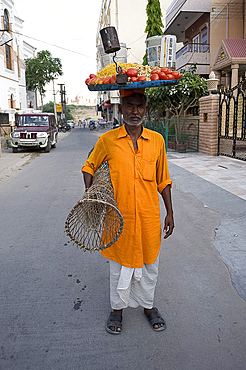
(132,85)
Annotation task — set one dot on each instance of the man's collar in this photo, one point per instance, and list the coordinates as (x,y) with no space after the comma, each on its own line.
(123,133)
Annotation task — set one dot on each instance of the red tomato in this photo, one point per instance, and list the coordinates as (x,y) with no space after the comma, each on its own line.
(107,80)
(156,70)
(132,72)
(87,81)
(176,74)
(154,77)
(113,79)
(162,76)
(92,75)
(92,80)
(141,78)
(165,70)
(123,71)
(170,76)
(134,79)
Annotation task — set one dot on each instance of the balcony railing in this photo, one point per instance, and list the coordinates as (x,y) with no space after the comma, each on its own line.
(193,48)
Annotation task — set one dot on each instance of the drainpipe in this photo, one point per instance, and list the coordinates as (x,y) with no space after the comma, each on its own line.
(227,20)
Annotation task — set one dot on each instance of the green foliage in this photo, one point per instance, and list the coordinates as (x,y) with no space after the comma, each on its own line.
(154,22)
(68,113)
(177,98)
(48,108)
(41,70)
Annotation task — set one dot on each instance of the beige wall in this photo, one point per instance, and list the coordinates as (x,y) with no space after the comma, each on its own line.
(218,21)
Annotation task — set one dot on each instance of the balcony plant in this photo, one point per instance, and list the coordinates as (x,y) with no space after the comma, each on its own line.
(177,99)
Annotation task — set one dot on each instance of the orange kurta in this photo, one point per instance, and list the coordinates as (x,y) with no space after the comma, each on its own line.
(136,178)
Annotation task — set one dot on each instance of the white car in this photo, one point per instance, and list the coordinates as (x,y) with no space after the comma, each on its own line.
(70,122)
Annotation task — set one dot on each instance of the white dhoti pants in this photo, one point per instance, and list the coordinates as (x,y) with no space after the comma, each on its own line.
(130,287)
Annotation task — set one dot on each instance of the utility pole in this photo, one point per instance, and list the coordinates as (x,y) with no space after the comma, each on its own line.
(54,93)
(63,102)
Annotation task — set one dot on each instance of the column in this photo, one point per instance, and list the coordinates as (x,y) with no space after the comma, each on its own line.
(234,74)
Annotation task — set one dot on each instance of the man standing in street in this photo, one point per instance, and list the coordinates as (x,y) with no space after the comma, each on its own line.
(138,168)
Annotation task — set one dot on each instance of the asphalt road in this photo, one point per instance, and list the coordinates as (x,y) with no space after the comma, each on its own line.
(55,299)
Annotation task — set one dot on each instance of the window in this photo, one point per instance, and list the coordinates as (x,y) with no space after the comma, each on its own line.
(12,102)
(8,56)
(195,42)
(6,20)
(7,47)
(204,39)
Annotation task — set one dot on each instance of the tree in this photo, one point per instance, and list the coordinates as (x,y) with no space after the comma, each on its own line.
(49,108)
(41,70)
(177,98)
(154,22)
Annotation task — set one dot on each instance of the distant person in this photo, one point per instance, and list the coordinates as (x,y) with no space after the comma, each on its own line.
(115,123)
(84,122)
(79,123)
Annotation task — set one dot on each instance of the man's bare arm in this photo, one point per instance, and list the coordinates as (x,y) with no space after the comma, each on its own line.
(87,179)
(169,221)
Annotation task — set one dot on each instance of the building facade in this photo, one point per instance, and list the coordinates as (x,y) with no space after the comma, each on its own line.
(205,28)
(12,68)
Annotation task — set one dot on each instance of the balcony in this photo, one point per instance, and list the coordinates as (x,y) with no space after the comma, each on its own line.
(194,53)
(181,14)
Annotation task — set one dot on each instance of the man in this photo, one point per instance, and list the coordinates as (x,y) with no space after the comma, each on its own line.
(138,168)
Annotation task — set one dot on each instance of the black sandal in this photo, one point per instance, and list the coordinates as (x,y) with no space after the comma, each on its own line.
(114,320)
(154,317)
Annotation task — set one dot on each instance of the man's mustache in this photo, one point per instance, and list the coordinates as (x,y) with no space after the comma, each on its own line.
(135,116)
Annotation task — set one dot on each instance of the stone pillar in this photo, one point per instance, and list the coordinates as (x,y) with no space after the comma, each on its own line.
(234,74)
(228,76)
(208,124)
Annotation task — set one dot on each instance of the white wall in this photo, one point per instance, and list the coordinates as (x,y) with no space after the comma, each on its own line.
(11,81)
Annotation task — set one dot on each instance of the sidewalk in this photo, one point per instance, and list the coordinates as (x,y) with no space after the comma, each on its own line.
(227,173)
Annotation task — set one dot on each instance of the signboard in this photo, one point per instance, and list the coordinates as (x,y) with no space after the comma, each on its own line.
(161,51)
(58,108)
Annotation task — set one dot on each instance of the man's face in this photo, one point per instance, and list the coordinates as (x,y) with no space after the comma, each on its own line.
(133,109)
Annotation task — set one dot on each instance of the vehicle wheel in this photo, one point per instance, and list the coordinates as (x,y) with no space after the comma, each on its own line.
(47,148)
(15,150)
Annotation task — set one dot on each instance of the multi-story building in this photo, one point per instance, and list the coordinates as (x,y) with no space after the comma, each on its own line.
(213,34)
(130,29)
(12,68)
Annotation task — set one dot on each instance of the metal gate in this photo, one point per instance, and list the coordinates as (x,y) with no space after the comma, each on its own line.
(232,111)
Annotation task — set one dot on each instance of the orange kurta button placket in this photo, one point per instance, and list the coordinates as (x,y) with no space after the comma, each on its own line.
(136,177)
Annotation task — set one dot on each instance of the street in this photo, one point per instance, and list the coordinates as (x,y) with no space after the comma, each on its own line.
(55,299)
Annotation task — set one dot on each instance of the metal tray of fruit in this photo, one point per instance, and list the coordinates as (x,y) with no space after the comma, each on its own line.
(132,85)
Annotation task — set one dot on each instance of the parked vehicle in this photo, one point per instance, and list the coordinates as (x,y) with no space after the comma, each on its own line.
(71,123)
(34,130)
(64,127)
(92,124)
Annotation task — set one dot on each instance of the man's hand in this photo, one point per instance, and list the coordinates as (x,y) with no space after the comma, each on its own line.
(168,225)
(169,221)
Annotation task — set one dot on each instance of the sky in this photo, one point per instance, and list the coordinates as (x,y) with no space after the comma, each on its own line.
(72,25)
